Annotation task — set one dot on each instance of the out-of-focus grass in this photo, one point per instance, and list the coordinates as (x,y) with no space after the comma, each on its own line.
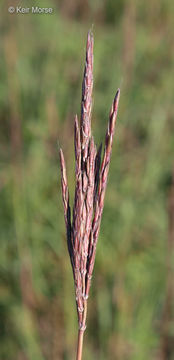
(40,89)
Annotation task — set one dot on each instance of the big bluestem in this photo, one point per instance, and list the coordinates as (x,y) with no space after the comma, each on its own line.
(91,172)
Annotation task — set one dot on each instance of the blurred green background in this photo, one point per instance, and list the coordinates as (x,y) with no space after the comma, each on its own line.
(131,311)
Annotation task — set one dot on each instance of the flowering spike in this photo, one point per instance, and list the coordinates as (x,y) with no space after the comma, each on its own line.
(90,185)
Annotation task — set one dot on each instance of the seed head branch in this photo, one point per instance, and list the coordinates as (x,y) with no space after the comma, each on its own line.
(97,172)
(67,209)
(86,105)
(101,189)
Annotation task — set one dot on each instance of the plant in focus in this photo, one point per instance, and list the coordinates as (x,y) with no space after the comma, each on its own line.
(91,172)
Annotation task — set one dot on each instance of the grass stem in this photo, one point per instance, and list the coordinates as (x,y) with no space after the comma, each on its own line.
(81,333)
(80,344)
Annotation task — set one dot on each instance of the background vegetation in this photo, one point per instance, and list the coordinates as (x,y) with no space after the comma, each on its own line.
(41,66)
